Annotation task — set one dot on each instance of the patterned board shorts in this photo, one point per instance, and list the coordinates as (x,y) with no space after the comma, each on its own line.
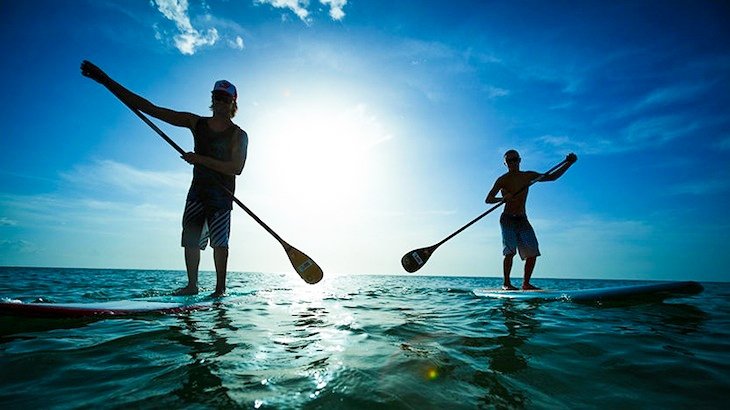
(201,223)
(517,234)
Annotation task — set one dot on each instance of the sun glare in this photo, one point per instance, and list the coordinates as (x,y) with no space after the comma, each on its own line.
(321,171)
(323,153)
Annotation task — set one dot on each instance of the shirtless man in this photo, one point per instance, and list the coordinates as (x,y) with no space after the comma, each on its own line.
(517,233)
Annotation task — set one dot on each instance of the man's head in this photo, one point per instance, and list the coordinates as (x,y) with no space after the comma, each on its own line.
(224,93)
(512,159)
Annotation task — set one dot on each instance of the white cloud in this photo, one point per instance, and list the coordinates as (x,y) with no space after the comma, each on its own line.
(673,94)
(99,195)
(300,7)
(495,92)
(639,134)
(113,175)
(188,42)
(556,140)
(189,39)
(657,130)
(336,7)
(563,143)
(296,6)
(231,33)
(237,43)
(660,97)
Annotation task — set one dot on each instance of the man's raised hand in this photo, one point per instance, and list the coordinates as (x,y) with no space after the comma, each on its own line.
(88,69)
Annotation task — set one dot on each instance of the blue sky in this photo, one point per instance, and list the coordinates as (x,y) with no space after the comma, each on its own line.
(375,127)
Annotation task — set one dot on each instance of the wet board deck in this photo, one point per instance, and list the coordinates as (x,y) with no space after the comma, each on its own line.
(617,293)
(113,308)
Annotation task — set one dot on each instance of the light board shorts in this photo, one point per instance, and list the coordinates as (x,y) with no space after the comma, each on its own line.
(518,235)
(201,224)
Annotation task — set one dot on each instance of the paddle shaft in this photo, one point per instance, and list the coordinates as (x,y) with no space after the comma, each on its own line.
(498,204)
(182,152)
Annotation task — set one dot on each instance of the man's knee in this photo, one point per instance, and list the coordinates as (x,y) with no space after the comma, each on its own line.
(509,256)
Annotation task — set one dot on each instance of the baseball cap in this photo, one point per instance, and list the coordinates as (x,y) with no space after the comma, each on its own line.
(226,87)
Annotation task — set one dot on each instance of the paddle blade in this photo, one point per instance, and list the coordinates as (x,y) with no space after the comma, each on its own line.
(304,265)
(415,259)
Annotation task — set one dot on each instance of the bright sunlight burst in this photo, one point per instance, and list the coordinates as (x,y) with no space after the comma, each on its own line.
(323,152)
(323,165)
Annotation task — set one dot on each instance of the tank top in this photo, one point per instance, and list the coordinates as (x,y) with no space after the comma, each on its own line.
(206,185)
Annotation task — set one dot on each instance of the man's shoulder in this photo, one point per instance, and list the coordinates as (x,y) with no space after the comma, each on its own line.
(241,132)
(521,175)
(195,120)
(241,137)
(516,177)
(510,176)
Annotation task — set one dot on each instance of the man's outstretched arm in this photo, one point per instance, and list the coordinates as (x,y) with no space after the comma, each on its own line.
(571,158)
(177,118)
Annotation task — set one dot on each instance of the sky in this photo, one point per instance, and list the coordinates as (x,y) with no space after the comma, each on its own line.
(375,127)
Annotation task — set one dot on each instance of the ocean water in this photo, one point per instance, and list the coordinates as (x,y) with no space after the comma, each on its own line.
(360,342)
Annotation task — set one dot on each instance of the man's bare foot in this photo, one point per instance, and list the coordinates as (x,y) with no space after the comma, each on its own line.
(218,294)
(186,291)
(527,286)
(508,287)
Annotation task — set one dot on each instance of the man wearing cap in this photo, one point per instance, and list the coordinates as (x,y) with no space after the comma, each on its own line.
(219,155)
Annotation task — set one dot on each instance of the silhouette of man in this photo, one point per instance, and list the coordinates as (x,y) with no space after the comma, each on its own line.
(219,155)
(517,233)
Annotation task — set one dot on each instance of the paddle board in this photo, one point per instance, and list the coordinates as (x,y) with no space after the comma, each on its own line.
(616,293)
(115,308)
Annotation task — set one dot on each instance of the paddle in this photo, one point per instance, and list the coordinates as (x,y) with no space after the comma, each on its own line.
(415,259)
(303,264)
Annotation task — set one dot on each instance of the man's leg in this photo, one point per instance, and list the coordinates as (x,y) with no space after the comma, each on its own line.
(192,261)
(220,257)
(529,251)
(529,267)
(507,266)
(194,237)
(220,229)
(509,248)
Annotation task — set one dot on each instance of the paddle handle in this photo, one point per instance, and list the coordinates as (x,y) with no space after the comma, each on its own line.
(498,204)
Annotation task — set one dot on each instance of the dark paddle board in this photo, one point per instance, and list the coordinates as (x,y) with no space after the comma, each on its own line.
(115,308)
(616,293)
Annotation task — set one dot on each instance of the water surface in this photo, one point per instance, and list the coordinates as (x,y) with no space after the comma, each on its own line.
(401,342)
